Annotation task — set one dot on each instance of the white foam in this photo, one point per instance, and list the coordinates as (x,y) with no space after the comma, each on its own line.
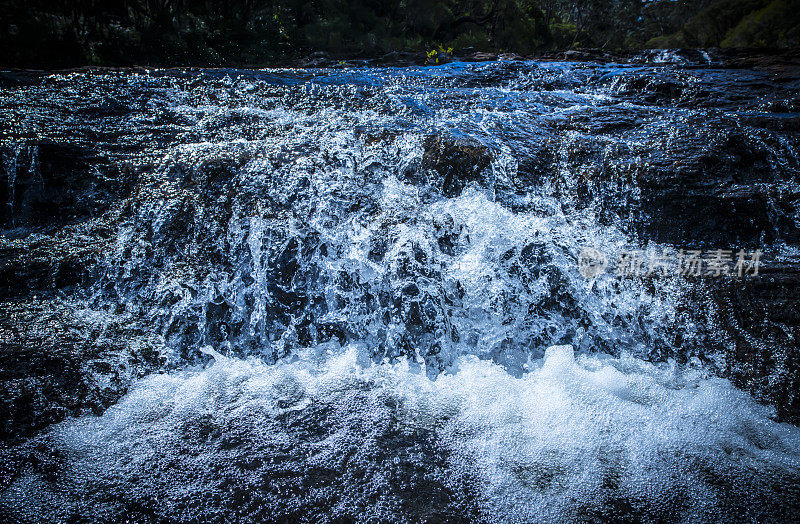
(564,442)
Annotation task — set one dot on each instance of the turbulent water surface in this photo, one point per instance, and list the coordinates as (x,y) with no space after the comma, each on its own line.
(353,295)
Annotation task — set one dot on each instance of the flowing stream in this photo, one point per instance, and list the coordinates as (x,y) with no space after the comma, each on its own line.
(354,294)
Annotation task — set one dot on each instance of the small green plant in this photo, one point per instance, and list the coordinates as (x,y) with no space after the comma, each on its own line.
(439,52)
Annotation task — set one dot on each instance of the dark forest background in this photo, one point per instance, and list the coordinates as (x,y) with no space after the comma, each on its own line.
(62,33)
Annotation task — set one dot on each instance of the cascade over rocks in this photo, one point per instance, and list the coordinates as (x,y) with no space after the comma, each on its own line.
(420,216)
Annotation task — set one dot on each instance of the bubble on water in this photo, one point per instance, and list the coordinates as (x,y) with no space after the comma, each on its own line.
(586,437)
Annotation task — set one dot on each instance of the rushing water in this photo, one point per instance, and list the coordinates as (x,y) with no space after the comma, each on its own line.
(362,289)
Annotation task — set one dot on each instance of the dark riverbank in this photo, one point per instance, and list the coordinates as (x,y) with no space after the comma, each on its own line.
(731,58)
(253,33)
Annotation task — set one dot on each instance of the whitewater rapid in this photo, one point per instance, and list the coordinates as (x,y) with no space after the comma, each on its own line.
(354,295)
(576,438)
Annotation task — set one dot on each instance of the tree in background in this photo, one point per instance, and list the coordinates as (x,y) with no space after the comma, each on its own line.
(63,33)
(776,25)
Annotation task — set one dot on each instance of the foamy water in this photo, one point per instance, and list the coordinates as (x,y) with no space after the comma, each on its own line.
(347,336)
(576,438)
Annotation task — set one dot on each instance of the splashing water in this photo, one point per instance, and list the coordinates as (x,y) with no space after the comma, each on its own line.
(327,437)
(364,287)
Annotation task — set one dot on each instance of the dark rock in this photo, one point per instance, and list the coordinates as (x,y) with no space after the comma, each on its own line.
(655,90)
(45,183)
(761,316)
(375,136)
(711,185)
(574,54)
(453,164)
(538,166)
(45,264)
(481,57)
(722,191)
(108,106)
(499,73)
(399,59)
(775,60)
(317,59)
(53,365)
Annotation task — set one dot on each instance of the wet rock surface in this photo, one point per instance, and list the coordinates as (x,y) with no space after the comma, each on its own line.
(762,318)
(50,184)
(55,364)
(418,214)
(452,165)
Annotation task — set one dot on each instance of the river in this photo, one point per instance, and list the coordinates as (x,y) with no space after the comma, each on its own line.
(354,294)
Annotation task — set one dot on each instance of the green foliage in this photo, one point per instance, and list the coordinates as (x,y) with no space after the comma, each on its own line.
(434,56)
(524,29)
(664,42)
(564,34)
(737,23)
(776,25)
(709,27)
(55,33)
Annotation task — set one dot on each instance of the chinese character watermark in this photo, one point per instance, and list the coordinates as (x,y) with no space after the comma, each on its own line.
(591,262)
(716,263)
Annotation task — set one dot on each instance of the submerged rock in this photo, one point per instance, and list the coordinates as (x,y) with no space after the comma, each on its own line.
(55,364)
(47,183)
(452,164)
